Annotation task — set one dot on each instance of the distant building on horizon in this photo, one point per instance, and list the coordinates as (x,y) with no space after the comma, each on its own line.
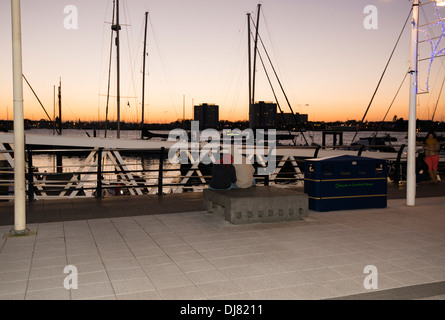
(289,119)
(264,115)
(207,115)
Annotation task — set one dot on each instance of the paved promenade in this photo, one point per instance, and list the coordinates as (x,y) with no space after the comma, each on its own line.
(169,248)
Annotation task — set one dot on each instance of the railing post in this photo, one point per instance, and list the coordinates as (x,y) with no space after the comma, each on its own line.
(30,176)
(99,174)
(160,172)
(397,164)
(323,139)
(59,162)
(316,152)
(266,180)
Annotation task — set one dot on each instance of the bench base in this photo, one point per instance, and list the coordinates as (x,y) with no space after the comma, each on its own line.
(257,204)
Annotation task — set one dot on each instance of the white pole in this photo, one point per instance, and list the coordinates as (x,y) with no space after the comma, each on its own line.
(19,132)
(411,158)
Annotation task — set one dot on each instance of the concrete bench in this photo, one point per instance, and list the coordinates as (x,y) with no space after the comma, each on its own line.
(257,204)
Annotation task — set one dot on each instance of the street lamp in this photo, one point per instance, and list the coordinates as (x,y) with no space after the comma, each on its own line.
(19,134)
(411,153)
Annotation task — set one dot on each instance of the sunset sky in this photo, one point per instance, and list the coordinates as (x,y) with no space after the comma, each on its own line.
(328,62)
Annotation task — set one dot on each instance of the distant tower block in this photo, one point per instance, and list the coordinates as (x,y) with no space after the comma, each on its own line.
(207,115)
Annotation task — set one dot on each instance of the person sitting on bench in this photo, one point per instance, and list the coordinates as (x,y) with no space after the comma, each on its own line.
(223,174)
(244,173)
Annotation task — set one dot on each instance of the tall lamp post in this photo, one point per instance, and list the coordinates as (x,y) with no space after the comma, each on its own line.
(411,156)
(19,133)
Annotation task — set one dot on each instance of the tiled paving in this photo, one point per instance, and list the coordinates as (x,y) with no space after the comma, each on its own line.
(196,255)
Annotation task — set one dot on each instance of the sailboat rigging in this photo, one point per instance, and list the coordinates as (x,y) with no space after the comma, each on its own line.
(437,103)
(252,86)
(115,28)
(434,53)
(383,74)
(109,73)
(35,94)
(255,51)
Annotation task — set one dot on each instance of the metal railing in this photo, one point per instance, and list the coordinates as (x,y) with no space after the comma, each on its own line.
(103,172)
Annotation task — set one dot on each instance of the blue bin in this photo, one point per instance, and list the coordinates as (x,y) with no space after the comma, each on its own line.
(345,182)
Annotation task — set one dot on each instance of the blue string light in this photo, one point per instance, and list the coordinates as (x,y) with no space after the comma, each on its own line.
(435,52)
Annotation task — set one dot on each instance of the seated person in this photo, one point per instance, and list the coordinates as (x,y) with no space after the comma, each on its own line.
(223,174)
(244,173)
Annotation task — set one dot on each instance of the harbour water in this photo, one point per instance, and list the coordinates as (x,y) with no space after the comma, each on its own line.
(311,136)
(145,166)
(47,161)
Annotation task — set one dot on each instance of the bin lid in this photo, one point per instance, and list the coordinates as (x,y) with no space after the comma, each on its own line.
(344,158)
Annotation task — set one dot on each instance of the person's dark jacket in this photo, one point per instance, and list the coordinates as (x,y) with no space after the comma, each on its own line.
(223,175)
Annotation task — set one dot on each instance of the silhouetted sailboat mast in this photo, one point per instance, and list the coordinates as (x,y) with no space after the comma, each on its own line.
(252,89)
(143,75)
(252,76)
(116,27)
(59,97)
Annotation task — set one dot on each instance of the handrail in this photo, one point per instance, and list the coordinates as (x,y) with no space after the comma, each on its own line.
(93,178)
